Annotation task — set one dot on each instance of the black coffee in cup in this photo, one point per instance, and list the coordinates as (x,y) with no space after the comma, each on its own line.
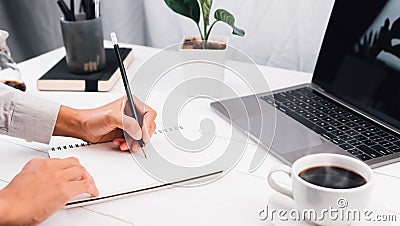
(332,177)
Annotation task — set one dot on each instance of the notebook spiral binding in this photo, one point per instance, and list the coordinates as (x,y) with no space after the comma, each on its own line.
(70,146)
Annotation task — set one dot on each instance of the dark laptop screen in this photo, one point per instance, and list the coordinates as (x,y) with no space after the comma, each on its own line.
(359,60)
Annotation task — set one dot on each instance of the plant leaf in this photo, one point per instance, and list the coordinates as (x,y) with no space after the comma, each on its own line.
(228,18)
(187,8)
(206,7)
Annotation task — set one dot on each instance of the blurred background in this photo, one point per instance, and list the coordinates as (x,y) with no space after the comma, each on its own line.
(280,33)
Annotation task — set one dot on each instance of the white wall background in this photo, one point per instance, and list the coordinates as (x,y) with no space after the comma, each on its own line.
(280,33)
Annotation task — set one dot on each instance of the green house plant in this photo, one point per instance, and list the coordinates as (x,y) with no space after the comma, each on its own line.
(191,9)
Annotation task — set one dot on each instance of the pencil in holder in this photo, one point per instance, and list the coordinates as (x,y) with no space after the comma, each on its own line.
(84,44)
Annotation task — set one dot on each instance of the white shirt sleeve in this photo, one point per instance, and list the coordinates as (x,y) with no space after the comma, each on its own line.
(26,116)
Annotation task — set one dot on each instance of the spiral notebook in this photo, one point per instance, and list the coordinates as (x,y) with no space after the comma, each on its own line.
(116,173)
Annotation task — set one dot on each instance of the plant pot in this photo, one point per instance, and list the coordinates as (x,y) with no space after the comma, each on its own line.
(204,69)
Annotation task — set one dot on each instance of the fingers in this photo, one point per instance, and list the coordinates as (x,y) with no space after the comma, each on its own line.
(131,126)
(149,115)
(79,181)
(148,124)
(82,186)
(68,172)
(53,162)
(124,146)
(148,131)
(133,144)
(121,144)
(152,129)
(140,107)
(130,144)
(118,141)
(144,109)
(145,112)
(125,107)
(66,163)
(76,173)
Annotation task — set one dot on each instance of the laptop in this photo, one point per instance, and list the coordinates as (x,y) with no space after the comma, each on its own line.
(352,105)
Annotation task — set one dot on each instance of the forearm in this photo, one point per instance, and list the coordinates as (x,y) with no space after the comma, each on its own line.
(105,123)
(69,122)
(5,212)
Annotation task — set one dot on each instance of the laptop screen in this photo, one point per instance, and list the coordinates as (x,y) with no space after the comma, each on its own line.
(359,60)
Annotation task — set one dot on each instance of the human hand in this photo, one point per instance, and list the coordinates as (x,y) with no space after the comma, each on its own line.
(41,188)
(108,123)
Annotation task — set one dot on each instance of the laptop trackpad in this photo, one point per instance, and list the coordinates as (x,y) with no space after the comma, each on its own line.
(290,135)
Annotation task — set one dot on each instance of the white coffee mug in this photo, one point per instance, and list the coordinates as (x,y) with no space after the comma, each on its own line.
(331,206)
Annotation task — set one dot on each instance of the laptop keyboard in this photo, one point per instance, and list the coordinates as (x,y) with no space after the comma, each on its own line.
(362,139)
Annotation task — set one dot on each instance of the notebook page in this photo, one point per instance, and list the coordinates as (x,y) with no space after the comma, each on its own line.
(113,171)
(116,171)
(185,147)
(176,153)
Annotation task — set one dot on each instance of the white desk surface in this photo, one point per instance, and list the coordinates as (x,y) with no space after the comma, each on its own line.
(233,200)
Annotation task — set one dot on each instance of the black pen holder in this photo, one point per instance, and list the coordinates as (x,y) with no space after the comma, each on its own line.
(84,44)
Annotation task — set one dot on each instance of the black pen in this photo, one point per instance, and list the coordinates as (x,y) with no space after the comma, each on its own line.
(88,10)
(65,10)
(72,6)
(92,9)
(127,87)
